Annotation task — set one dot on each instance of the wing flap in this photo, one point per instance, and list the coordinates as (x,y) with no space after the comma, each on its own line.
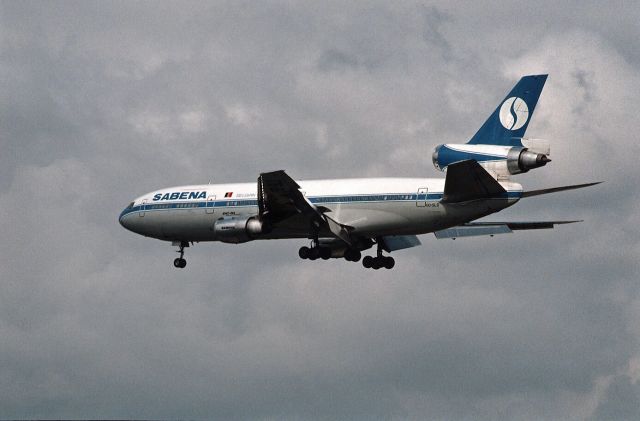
(339,230)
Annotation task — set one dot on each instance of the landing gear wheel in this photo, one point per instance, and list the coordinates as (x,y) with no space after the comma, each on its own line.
(389,262)
(377,262)
(325,253)
(314,253)
(367,262)
(352,255)
(304,252)
(180,262)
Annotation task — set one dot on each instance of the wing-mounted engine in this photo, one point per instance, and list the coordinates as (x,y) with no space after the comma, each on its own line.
(502,161)
(239,230)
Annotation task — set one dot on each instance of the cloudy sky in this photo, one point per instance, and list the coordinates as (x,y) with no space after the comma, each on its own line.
(103,101)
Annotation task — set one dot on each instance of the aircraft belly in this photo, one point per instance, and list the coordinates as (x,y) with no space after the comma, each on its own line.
(375,219)
(406,218)
(182,224)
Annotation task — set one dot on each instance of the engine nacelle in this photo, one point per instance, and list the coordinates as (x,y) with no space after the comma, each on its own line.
(239,230)
(501,160)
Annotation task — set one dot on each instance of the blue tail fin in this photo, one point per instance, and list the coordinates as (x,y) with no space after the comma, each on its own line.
(507,124)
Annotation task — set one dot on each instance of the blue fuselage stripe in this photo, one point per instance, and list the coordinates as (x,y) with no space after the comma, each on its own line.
(366,198)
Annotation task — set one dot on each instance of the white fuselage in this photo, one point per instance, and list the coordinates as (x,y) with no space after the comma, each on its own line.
(373,207)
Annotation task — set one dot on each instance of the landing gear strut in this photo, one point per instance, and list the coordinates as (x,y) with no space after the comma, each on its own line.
(379,261)
(315,251)
(180,262)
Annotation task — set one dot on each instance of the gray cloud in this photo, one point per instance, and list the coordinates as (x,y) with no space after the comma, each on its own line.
(621,401)
(101,102)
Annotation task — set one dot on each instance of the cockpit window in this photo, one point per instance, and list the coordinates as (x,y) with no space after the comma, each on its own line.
(130,205)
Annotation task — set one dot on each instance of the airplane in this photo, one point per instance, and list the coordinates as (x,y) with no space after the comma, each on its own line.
(341,218)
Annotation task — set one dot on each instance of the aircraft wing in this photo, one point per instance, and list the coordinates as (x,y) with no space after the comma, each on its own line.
(279,198)
(399,242)
(473,229)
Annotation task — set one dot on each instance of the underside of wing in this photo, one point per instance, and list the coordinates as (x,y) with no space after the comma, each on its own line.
(474,229)
(399,242)
(279,196)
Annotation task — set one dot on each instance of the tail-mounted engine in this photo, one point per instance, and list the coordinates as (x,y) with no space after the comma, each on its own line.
(501,160)
(239,230)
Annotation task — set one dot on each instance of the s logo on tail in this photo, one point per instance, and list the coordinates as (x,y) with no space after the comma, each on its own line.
(514,113)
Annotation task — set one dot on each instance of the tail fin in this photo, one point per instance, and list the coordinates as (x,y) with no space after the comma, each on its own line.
(507,124)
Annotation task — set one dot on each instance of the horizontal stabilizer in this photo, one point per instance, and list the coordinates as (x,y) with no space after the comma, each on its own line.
(474,229)
(399,242)
(467,180)
(557,189)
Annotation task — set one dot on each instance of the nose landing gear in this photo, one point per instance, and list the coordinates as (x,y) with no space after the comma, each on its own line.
(180,262)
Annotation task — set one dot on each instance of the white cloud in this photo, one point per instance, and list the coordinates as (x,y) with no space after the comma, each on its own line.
(241,115)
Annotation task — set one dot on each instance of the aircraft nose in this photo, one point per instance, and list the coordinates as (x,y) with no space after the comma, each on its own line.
(127,219)
(125,222)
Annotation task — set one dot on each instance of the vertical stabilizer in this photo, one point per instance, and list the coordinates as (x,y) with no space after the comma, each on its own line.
(509,121)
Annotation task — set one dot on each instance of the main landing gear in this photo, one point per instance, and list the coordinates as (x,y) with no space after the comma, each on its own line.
(379,261)
(314,252)
(318,252)
(180,262)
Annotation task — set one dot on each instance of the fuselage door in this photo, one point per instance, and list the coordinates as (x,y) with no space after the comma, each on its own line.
(210,203)
(143,205)
(421,199)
